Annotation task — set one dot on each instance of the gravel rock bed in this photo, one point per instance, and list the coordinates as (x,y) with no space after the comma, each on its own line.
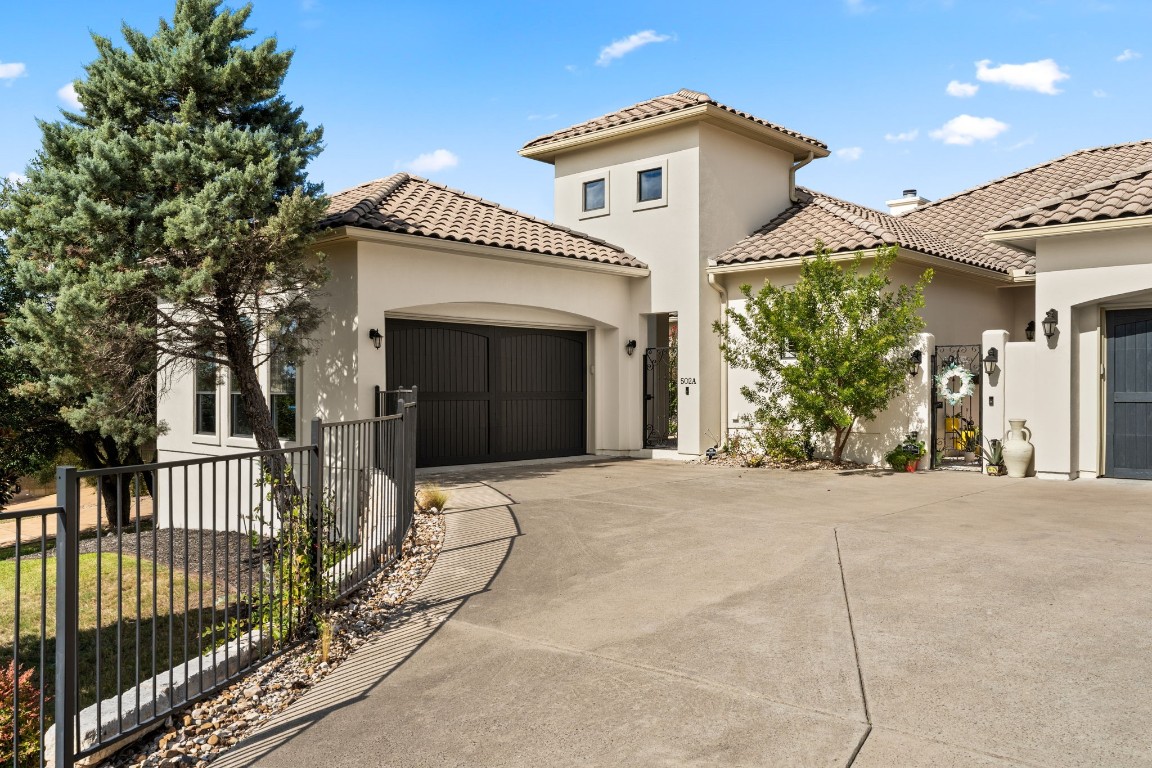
(197,735)
(736,460)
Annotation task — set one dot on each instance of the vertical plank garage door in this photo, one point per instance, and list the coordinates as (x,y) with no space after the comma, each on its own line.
(1128,452)
(490,393)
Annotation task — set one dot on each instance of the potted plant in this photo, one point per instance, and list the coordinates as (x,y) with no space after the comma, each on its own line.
(906,456)
(994,457)
(969,440)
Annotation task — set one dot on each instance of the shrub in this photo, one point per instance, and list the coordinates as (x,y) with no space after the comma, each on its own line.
(28,751)
(431,497)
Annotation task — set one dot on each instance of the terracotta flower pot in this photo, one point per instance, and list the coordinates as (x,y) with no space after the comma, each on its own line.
(912,465)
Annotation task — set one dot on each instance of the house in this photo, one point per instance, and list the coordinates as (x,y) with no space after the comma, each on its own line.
(531,339)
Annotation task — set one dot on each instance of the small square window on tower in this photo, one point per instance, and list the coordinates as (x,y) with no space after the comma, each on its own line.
(594,195)
(650,185)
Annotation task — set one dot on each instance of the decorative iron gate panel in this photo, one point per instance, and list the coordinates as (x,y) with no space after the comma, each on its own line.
(956,434)
(659,386)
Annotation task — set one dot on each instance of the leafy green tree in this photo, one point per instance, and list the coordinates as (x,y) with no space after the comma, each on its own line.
(831,350)
(33,428)
(168,222)
(31,431)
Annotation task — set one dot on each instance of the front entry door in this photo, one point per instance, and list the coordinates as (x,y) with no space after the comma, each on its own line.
(1128,450)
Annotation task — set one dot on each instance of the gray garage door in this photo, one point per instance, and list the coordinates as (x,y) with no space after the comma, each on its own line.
(1129,394)
(491,393)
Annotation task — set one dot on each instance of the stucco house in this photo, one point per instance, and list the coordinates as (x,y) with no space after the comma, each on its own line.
(530,338)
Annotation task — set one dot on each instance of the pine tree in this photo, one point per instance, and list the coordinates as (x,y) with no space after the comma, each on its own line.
(831,350)
(167,223)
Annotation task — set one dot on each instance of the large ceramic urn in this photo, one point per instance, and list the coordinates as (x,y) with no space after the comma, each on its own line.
(1017,448)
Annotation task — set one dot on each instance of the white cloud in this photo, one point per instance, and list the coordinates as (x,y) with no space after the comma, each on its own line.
(571,68)
(858,6)
(12,70)
(430,162)
(1040,76)
(67,94)
(1100,93)
(966,130)
(626,45)
(902,136)
(552,116)
(851,154)
(961,90)
(16,178)
(1129,54)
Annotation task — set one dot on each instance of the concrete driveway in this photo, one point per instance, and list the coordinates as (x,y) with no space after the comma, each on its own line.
(651,613)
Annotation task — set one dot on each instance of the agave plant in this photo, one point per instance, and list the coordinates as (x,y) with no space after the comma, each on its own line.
(994,455)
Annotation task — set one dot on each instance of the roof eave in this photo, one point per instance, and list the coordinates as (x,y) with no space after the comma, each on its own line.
(709,113)
(425,242)
(909,255)
(1025,239)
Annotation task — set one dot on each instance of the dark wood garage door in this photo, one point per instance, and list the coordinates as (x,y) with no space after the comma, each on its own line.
(1129,394)
(490,393)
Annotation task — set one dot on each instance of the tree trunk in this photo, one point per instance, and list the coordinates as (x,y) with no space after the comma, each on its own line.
(840,441)
(98,452)
(238,349)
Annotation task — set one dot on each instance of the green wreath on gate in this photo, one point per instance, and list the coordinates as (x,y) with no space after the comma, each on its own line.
(944,379)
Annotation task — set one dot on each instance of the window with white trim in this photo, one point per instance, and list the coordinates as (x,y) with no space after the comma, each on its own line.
(649,185)
(595,195)
(206,382)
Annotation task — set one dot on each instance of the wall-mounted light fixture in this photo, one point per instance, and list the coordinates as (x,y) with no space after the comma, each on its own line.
(1049,323)
(1030,330)
(630,347)
(376,337)
(990,360)
(914,361)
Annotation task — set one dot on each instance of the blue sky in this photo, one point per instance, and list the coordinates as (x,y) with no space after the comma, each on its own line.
(934,94)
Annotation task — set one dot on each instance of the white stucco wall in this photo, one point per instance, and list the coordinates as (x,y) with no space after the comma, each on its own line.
(1080,276)
(411,281)
(958,308)
(720,187)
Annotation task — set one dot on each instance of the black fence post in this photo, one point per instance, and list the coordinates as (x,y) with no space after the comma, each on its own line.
(67,613)
(316,503)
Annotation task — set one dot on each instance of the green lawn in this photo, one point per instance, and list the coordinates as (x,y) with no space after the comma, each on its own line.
(146,621)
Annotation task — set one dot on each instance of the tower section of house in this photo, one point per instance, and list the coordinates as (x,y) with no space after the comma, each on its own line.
(677,180)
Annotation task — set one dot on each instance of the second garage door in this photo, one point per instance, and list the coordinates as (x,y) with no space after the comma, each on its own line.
(491,393)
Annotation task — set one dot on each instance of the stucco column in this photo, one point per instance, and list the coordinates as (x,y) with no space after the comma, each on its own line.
(993,389)
(1052,429)
(919,396)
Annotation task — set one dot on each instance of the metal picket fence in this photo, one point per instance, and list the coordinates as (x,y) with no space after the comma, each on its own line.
(188,575)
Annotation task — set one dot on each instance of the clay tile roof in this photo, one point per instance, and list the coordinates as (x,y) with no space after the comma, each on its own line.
(1116,197)
(661,105)
(411,205)
(964,217)
(843,227)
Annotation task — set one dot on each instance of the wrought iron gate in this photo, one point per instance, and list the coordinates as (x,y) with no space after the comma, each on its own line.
(956,379)
(659,398)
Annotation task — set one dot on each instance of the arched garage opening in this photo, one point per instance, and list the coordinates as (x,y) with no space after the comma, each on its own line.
(490,392)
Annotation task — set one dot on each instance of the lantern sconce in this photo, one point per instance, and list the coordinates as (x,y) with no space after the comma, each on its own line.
(1030,330)
(990,360)
(376,337)
(630,347)
(914,361)
(1049,323)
